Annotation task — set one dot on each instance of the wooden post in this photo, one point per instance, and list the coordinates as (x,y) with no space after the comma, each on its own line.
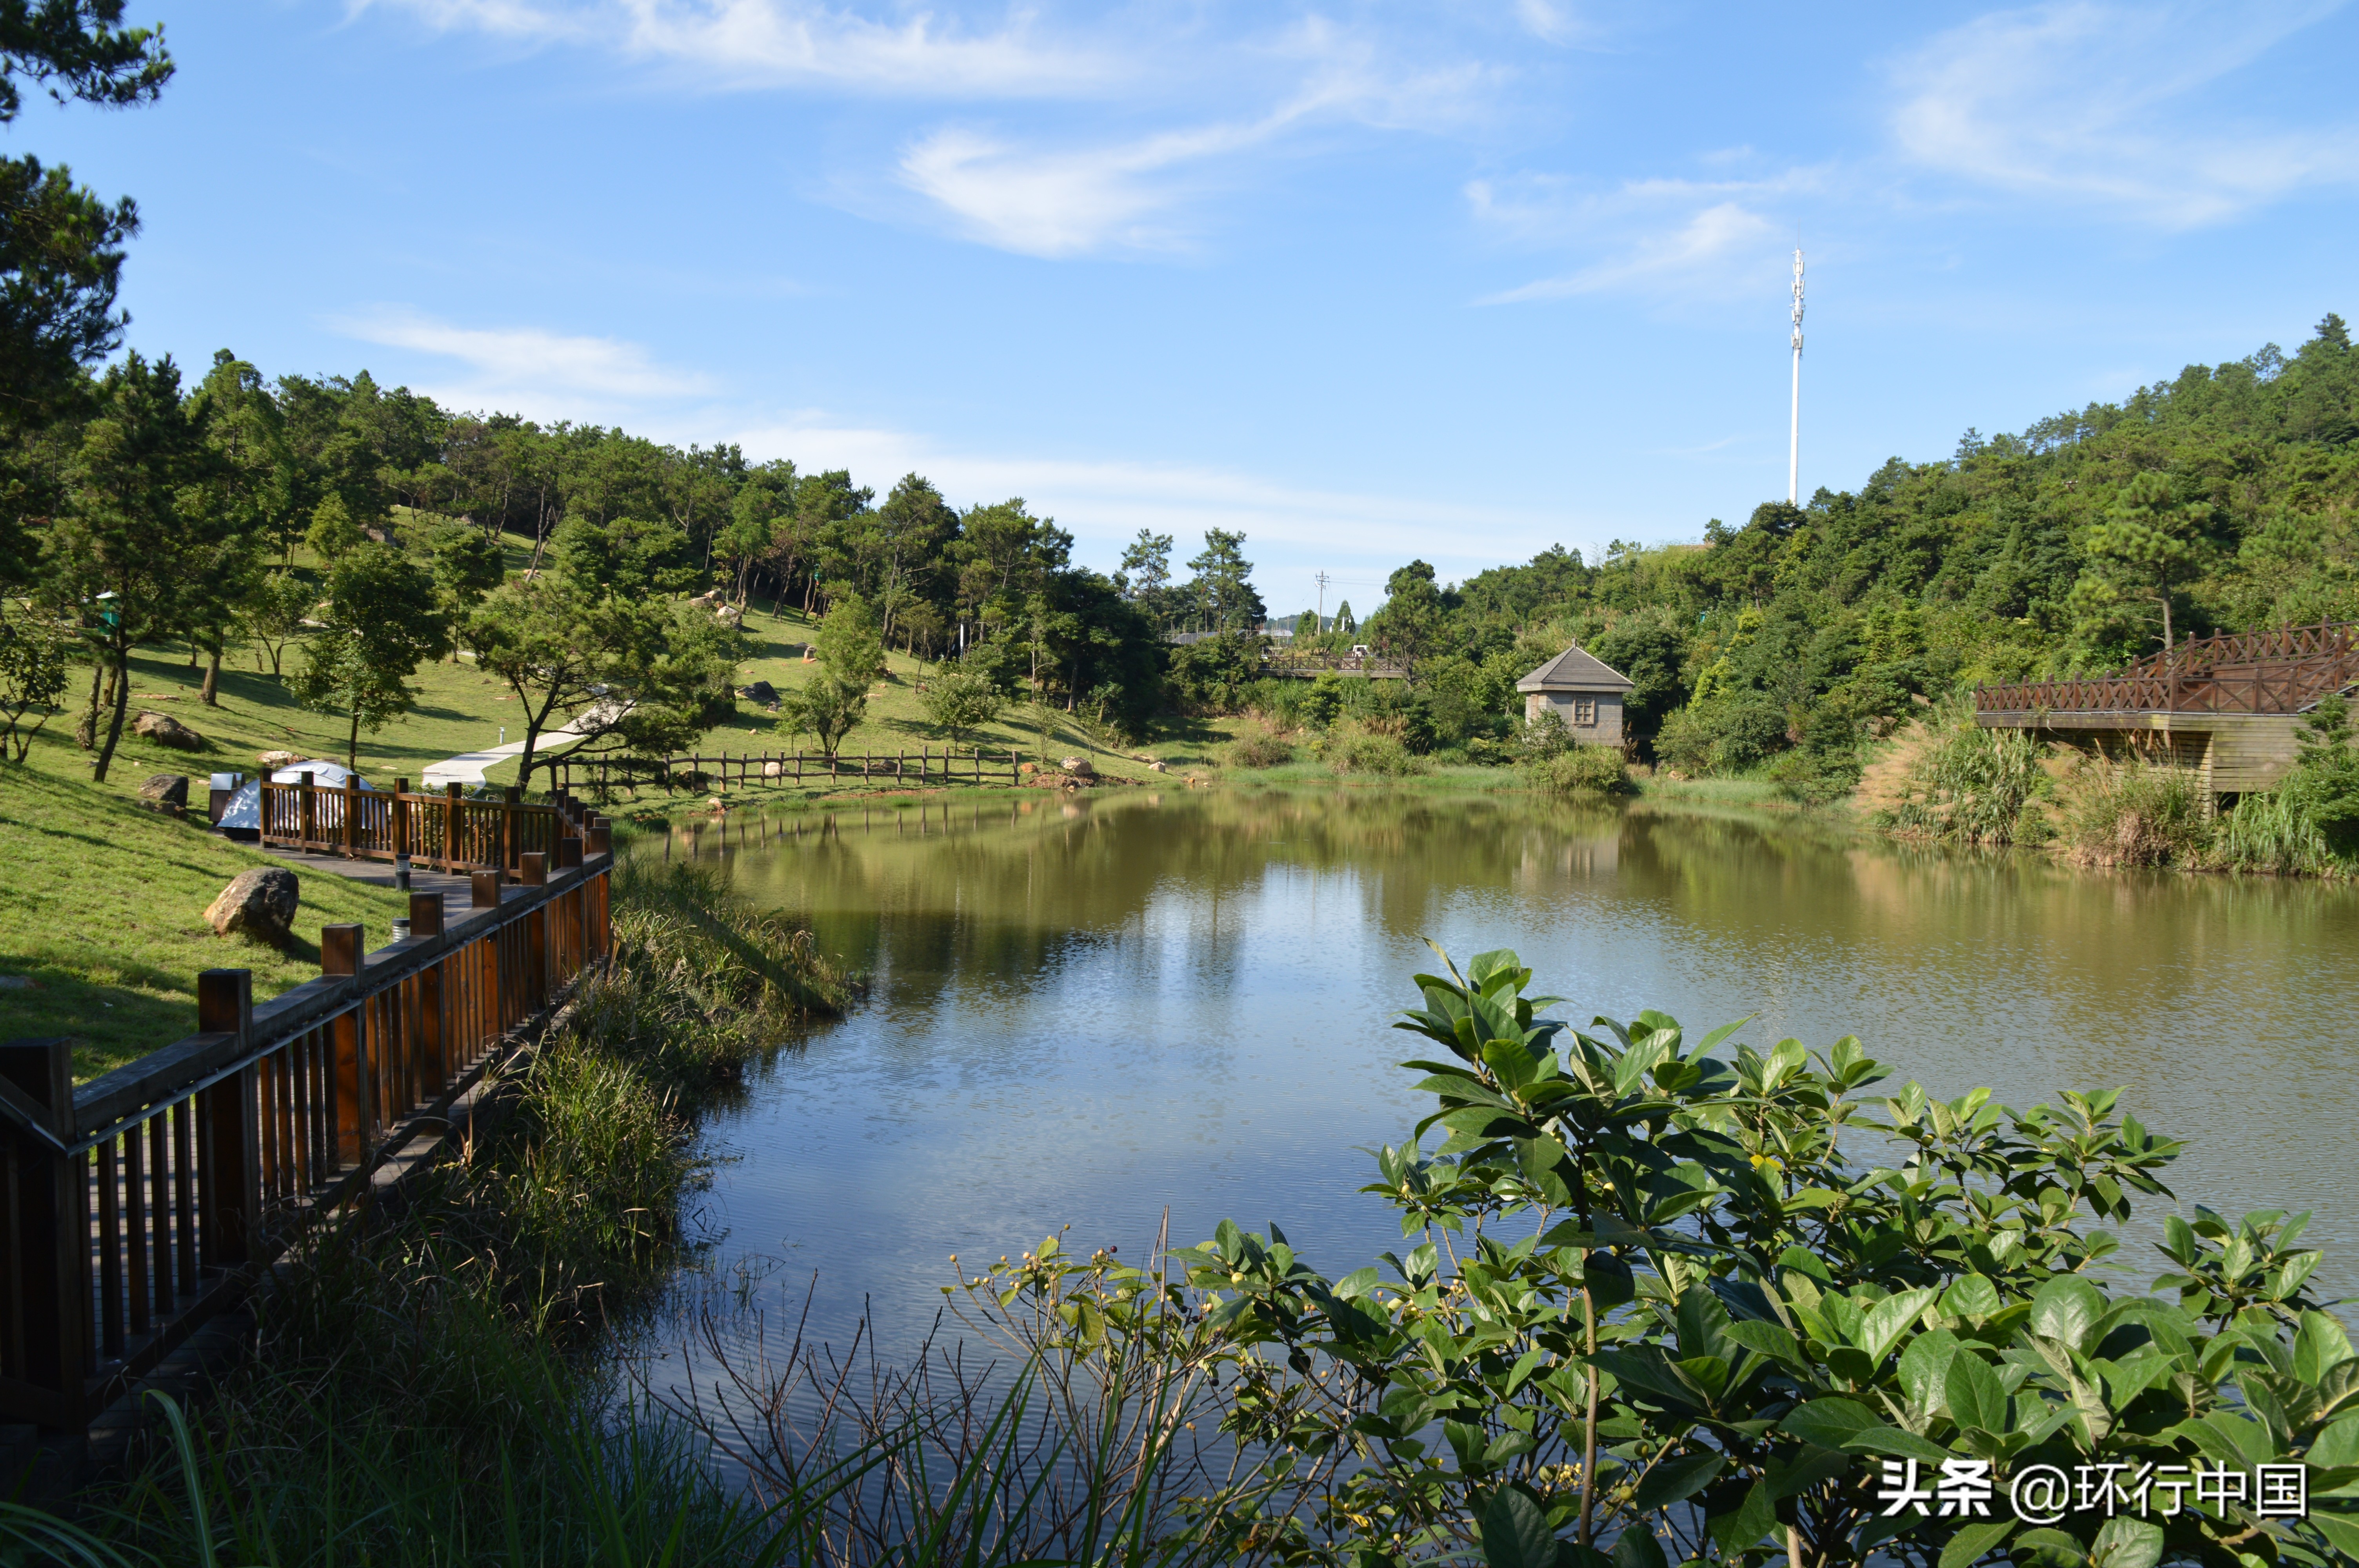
(451,808)
(432,1053)
(351,800)
(401,819)
(308,820)
(509,846)
(569,851)
(483,890)
(229,1180)
(598,838)
(340,954)
(535,873)
(49,1348)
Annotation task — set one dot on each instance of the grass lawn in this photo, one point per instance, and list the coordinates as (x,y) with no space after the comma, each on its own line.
(103,906)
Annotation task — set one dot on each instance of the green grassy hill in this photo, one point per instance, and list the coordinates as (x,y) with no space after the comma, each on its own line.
(103,907)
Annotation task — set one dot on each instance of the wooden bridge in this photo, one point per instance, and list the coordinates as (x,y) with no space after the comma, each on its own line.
(2227,708)
(141,1205)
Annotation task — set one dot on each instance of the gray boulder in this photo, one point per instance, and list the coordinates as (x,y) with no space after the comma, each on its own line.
(761,691)
(166,731)
(166,792)
(1079,767)
(260,902)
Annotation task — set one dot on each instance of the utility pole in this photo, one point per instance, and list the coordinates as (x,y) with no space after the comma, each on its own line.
(1794,435)
(1321,617)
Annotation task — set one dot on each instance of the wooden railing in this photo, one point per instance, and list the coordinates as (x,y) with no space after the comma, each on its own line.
(446,830)
(925,765)
(2282,671)
(1279,662)
(140,1204)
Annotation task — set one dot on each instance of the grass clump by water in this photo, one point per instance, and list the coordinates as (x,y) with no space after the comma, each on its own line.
(2136,813)
(425,1391)
(1972,786)
(1581,770)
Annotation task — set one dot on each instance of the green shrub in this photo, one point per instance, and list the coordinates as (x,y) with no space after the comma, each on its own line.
(1352,748)
(1582,770)
(1260,749)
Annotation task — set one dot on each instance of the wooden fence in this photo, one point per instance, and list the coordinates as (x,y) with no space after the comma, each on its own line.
(2284,670)
(136,1207)
(1282,661)
(742,768)
(446,830)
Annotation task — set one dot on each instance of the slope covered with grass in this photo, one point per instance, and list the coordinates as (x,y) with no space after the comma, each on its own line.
(103,907)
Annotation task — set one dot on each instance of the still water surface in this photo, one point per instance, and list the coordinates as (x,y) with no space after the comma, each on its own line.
(1087,1013)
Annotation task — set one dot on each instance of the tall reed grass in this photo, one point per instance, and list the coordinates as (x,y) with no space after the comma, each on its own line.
(1973,786)
(2136,813)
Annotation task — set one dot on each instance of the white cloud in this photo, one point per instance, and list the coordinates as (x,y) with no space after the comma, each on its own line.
(1664,238)
(2089,103)
(525,367)
(1058,203)
(772,43)
(1105,503)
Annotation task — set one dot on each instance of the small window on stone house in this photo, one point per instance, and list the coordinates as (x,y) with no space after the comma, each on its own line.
(1584,710)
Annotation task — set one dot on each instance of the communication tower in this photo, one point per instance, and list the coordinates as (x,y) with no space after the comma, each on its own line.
(1794,433)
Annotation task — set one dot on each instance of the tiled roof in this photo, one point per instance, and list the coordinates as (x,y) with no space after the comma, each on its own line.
(1573,670)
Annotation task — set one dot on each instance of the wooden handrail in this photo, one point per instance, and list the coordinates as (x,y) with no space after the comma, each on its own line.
(143,1203)
(2284,671)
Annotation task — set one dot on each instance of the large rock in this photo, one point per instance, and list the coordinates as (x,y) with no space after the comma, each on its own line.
(260,902)
(166,792)
(1079,767)
(761,691)
(166,731)
(274,761)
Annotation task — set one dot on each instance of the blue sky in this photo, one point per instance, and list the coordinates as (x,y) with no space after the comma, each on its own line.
(1366,281)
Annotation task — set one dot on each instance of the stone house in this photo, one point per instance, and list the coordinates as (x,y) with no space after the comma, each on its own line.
(1587,695)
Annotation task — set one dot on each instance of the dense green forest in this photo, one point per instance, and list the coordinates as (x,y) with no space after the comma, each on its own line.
(2224,500)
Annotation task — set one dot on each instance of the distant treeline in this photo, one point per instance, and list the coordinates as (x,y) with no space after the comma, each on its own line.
(2224,500)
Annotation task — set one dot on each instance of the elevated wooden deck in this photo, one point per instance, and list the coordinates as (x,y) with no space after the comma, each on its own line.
(2227,708)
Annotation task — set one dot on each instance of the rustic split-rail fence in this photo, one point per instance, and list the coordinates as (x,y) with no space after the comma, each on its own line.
(2225,709)
(140,1205)
(927,765)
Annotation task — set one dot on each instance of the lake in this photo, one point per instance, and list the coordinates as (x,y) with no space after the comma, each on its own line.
(1090,1011)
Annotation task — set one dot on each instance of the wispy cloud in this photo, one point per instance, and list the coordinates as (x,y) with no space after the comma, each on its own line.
(1663,238)
(525,367)
(772,43)
(2090,102)
(1065,203)
(1105,503)
(1134,192)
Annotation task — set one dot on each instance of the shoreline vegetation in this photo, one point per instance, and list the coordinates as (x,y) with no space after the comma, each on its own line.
(432,1388)
(1660,1301)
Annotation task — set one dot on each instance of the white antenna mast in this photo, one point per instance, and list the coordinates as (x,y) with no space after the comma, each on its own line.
(1794,437)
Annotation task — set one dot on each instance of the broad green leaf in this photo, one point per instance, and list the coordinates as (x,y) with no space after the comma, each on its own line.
(1754,1518)
(2065,1309)
(1924,1365)
(1974,1542)
(2126,1542)
(1828,1422)
(1976,1397)
(1638,1547)
(2341,1531)
(1972,1296)
(1516,1532)
(1881,1328)
(1675,1480)
(2319,1344)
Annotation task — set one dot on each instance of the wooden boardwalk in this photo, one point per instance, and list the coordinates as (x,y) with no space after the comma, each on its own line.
(2227,708)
